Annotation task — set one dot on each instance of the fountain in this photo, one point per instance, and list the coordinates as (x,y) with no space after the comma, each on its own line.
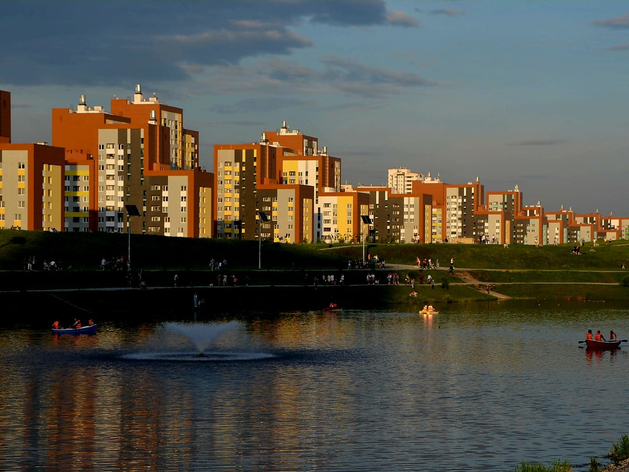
(201,335)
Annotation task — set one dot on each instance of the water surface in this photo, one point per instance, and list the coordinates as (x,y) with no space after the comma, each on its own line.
(477,387)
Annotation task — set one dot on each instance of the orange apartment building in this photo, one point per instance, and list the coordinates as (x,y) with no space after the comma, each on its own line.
(281,160)
(31,180)
(437,192)
(397,217)
(290,211)
(113,161)
(168,144)
(341,215)
(238,171)
(31,187)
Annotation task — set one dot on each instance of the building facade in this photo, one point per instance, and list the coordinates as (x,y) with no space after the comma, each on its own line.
(31,187)
(5,117)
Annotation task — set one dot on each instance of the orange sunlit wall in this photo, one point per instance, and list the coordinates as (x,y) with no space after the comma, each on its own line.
(79,131)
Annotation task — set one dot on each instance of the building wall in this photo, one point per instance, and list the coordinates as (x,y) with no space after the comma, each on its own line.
(5,117)
(169,122)
(78,198)
(120,178)
(77,131)
(32,187)
(238,170)
(462,202)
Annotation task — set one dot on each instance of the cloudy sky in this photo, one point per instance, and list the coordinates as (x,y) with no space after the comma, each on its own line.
(533,93)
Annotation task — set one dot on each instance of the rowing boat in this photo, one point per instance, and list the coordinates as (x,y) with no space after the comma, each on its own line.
(593,344)
(428,312)
(83,330)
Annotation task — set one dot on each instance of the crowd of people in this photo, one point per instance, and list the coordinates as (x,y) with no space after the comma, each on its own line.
(113,263)
(426,263)
(371,263)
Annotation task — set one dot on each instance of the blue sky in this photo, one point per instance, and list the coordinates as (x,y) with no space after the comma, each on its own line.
(533,93)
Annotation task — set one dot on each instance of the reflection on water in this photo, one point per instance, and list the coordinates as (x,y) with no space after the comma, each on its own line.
(478,387)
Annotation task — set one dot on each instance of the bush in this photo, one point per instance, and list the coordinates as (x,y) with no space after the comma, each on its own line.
(557,466)
(620,450)
(594,466)
(445,284)
(625,281)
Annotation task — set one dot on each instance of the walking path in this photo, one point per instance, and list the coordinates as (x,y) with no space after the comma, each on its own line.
(468,279)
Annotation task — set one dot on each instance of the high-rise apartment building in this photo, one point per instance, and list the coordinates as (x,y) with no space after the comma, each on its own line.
(168,144)
(31,180)
(289,209)
(238,171)
(400,179)
(114,160)
(31,186)
(461,204)
(340,215)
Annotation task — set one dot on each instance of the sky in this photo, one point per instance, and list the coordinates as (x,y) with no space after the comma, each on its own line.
(528,93)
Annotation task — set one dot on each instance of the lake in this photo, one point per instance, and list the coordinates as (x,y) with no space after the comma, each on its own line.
(478,387)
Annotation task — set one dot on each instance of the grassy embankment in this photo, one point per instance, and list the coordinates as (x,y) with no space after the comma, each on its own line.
(518,271)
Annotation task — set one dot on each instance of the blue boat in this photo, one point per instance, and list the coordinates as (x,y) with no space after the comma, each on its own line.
(82,330)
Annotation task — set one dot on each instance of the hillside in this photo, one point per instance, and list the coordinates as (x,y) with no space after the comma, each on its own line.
(84,251)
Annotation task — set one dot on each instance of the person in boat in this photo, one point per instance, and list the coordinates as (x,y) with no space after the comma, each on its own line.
(76,324)
(333,305)
(599,337)
(56,325)
(425,308)
(588,336)
(430,308)
(612,336)
(90,322)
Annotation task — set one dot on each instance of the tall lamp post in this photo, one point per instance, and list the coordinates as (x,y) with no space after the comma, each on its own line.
(132,210)
(366,221)
(262,218)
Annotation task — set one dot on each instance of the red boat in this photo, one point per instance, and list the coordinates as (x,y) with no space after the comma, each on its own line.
(592,344)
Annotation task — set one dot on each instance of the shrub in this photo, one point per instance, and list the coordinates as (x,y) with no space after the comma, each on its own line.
(625,281)
(557,466)
(620,450)
(445,284)
(594,466)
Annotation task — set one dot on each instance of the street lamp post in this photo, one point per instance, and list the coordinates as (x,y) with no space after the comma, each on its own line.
(262,218)
(132,210)
(366,221)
